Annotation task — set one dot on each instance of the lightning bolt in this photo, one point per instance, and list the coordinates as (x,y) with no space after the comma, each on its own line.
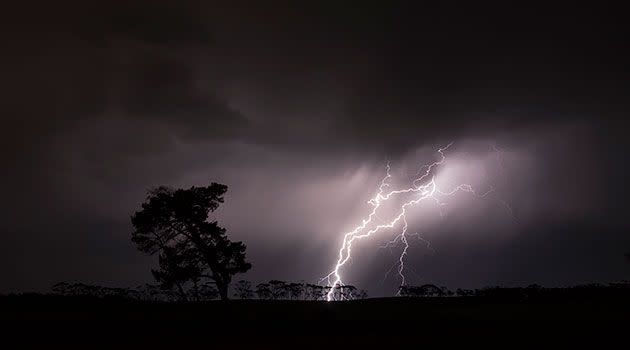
(424,188)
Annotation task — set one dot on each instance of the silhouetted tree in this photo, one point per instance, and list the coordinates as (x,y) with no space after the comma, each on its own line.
(263,291)
(294,290)
(345,292)
(426,290)
(362,294)
(243,290)
(278,289)
(349,292)
(408,291)
(431,290)
(176,222)
(464,292)
(177,268)
(313,291)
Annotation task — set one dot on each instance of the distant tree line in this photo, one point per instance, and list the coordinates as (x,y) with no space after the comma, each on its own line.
(146,292)
(281,290)
(519,293)
(272,290)
(178,284)
(426,290)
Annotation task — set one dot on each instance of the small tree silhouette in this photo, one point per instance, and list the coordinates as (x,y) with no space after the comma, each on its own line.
(263,291)
(464,292)
(294,290)
(313,291)
(362,294)
(426,290)
(243,290)
(278,289)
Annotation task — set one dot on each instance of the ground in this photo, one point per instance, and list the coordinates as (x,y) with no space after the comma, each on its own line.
(272,324)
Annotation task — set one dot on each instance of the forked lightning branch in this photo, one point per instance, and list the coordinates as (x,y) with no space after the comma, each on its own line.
(422,189)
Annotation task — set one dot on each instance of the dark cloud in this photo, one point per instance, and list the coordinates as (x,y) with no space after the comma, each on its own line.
(294,104)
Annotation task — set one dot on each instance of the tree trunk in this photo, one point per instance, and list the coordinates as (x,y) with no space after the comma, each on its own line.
(223,291)
(182,294)
(196,290)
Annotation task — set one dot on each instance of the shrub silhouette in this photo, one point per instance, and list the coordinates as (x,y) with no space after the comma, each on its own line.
(243,290)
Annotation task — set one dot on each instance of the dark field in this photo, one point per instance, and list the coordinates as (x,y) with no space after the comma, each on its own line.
(380,309)
(113,323)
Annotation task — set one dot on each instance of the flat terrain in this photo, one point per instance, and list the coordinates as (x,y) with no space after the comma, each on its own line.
(386,309)
(116,323)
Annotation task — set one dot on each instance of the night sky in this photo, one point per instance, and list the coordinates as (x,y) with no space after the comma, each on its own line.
(298,107)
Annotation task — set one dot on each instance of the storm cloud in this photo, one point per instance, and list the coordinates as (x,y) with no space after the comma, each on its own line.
(297,108)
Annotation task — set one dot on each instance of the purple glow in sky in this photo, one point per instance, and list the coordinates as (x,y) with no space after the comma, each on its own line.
(298,108)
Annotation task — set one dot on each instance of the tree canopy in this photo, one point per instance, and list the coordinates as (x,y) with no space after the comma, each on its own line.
(174,224)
